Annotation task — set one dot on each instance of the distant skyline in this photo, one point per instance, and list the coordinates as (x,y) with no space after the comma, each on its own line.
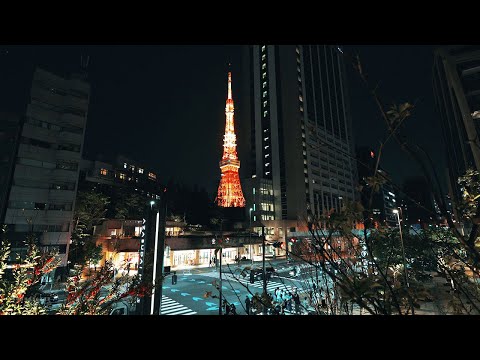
(164,105)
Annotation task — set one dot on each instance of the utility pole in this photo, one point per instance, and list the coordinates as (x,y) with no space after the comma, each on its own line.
(220,298)
(250,235)
(220,273)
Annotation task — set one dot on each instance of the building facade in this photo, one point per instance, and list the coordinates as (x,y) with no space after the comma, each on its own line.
(10,131)
(456,86)
(296,129)
(122,172)
(45,175)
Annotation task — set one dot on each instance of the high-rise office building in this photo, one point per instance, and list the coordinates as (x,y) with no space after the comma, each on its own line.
(46,167)
(456,86)
(296,131)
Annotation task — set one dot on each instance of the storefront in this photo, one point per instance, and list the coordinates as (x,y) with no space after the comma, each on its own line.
(181,252)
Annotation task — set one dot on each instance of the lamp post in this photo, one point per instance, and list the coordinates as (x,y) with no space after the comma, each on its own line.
(250,235)
(257,224)
(396,212)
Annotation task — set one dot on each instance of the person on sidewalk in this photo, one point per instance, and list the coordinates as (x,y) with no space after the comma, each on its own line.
(247,305)
(296,300)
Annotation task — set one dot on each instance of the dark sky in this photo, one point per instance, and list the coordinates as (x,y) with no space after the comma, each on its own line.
(403,74)
(164,105)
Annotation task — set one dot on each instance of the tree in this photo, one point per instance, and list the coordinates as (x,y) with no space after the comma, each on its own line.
(19,292)
(129,205)
(16,280)
(90,210)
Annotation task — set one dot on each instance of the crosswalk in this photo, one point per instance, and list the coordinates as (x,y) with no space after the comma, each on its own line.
(171,307)
(271,285)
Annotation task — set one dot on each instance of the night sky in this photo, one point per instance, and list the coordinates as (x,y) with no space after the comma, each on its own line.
(164,105)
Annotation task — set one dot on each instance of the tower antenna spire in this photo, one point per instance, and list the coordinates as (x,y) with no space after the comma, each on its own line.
(230,190)
(229,83)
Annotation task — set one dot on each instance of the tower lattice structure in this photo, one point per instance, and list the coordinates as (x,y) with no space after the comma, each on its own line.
(230,190)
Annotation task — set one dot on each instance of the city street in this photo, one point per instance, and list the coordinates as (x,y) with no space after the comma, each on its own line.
(188,293)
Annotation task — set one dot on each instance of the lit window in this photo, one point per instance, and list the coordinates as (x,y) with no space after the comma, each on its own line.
(265,113)
(122,176)
(299,78)
(140,170)
(298,51)
(104,172)
(263,48)
(264,75)
(301,108)
(300,98)
(267,155)
(138,230)
(267,172)
(152,176)
(132,167)
(264,66)
(298,69)
(253,194)
(265,103)
(265,139)
(264,57)
(264,94)
(267,164)
(125,165)
(264,85)
(266,147)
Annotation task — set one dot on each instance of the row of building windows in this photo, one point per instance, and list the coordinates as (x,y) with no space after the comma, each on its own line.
(26,182)
(132,168)
(265,111)
(42,228)
(31,205)
(60,109)
(47,145)
(61,91)
(65,165)
(55,127)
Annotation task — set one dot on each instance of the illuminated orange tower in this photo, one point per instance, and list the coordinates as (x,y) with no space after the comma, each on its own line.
(230,191)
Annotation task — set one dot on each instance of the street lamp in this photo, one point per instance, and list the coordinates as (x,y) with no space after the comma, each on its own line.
(250,235)
(258,224)
(403,249)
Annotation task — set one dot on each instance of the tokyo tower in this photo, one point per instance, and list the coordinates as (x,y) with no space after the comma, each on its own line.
(230,191)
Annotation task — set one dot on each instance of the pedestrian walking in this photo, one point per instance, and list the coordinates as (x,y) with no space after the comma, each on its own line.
(289,305)
(227,309)
(296,300)
(247,305)
(233,309)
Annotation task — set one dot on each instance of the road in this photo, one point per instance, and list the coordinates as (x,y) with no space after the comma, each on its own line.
(187,295)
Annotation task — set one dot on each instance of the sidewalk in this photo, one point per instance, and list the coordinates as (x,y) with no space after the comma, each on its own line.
(235,265)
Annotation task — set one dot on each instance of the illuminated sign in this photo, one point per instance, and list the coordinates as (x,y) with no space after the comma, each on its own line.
(141,253)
